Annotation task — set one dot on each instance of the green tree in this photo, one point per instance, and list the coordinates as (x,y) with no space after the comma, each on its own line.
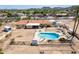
(29,17)
(1,51)
(76,23)
(9,14)
(0,23)
(18,19)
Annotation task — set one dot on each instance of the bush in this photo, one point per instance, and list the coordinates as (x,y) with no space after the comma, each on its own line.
(0,23)
(62,40)
(45,25)
(18,19)
(1,51)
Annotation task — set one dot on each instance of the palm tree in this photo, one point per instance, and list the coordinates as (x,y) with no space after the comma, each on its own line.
(76,24)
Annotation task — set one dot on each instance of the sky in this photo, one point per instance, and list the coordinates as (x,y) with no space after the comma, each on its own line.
(29,6)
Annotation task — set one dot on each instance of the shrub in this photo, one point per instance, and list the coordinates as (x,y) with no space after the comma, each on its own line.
(0,23)
(62,40)
(18,19)
(1,51)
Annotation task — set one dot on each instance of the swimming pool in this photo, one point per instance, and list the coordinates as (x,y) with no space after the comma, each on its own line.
(49,35)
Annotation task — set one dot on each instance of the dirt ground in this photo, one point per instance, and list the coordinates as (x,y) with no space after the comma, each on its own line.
(26,35)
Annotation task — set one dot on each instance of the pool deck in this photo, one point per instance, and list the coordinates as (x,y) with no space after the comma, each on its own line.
(24,35)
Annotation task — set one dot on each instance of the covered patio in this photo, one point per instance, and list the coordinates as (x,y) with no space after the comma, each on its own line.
(33,25)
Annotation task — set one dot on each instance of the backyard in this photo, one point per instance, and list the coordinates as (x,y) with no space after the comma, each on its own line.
(21,39)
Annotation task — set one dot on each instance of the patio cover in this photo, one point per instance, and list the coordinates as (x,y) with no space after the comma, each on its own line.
(33,24)
(52,21)
(7,27)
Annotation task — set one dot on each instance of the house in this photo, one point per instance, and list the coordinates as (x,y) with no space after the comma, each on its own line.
(31,23)
(21,15)
(3,15)
(61,14)
(39,21)
(50,17)
(21,24)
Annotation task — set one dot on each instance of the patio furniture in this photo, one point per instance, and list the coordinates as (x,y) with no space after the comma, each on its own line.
(41,52)
(64,39)
(49,40)
(73,52)
(34,43)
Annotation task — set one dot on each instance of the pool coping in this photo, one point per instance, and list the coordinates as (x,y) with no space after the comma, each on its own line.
(53,32)
(41,39)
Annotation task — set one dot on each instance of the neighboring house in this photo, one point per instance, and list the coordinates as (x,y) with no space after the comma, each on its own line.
(36,16)
(21,15)
(50,17)
(61,14)
(3,16)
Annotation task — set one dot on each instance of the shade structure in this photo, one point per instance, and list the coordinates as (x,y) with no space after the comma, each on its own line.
(59,23)
(51,21)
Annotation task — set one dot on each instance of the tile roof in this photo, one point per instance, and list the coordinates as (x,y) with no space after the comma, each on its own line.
(32,21)
(22,22)
(39,21)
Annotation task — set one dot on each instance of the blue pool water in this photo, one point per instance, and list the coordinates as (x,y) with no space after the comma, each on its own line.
(49,35)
